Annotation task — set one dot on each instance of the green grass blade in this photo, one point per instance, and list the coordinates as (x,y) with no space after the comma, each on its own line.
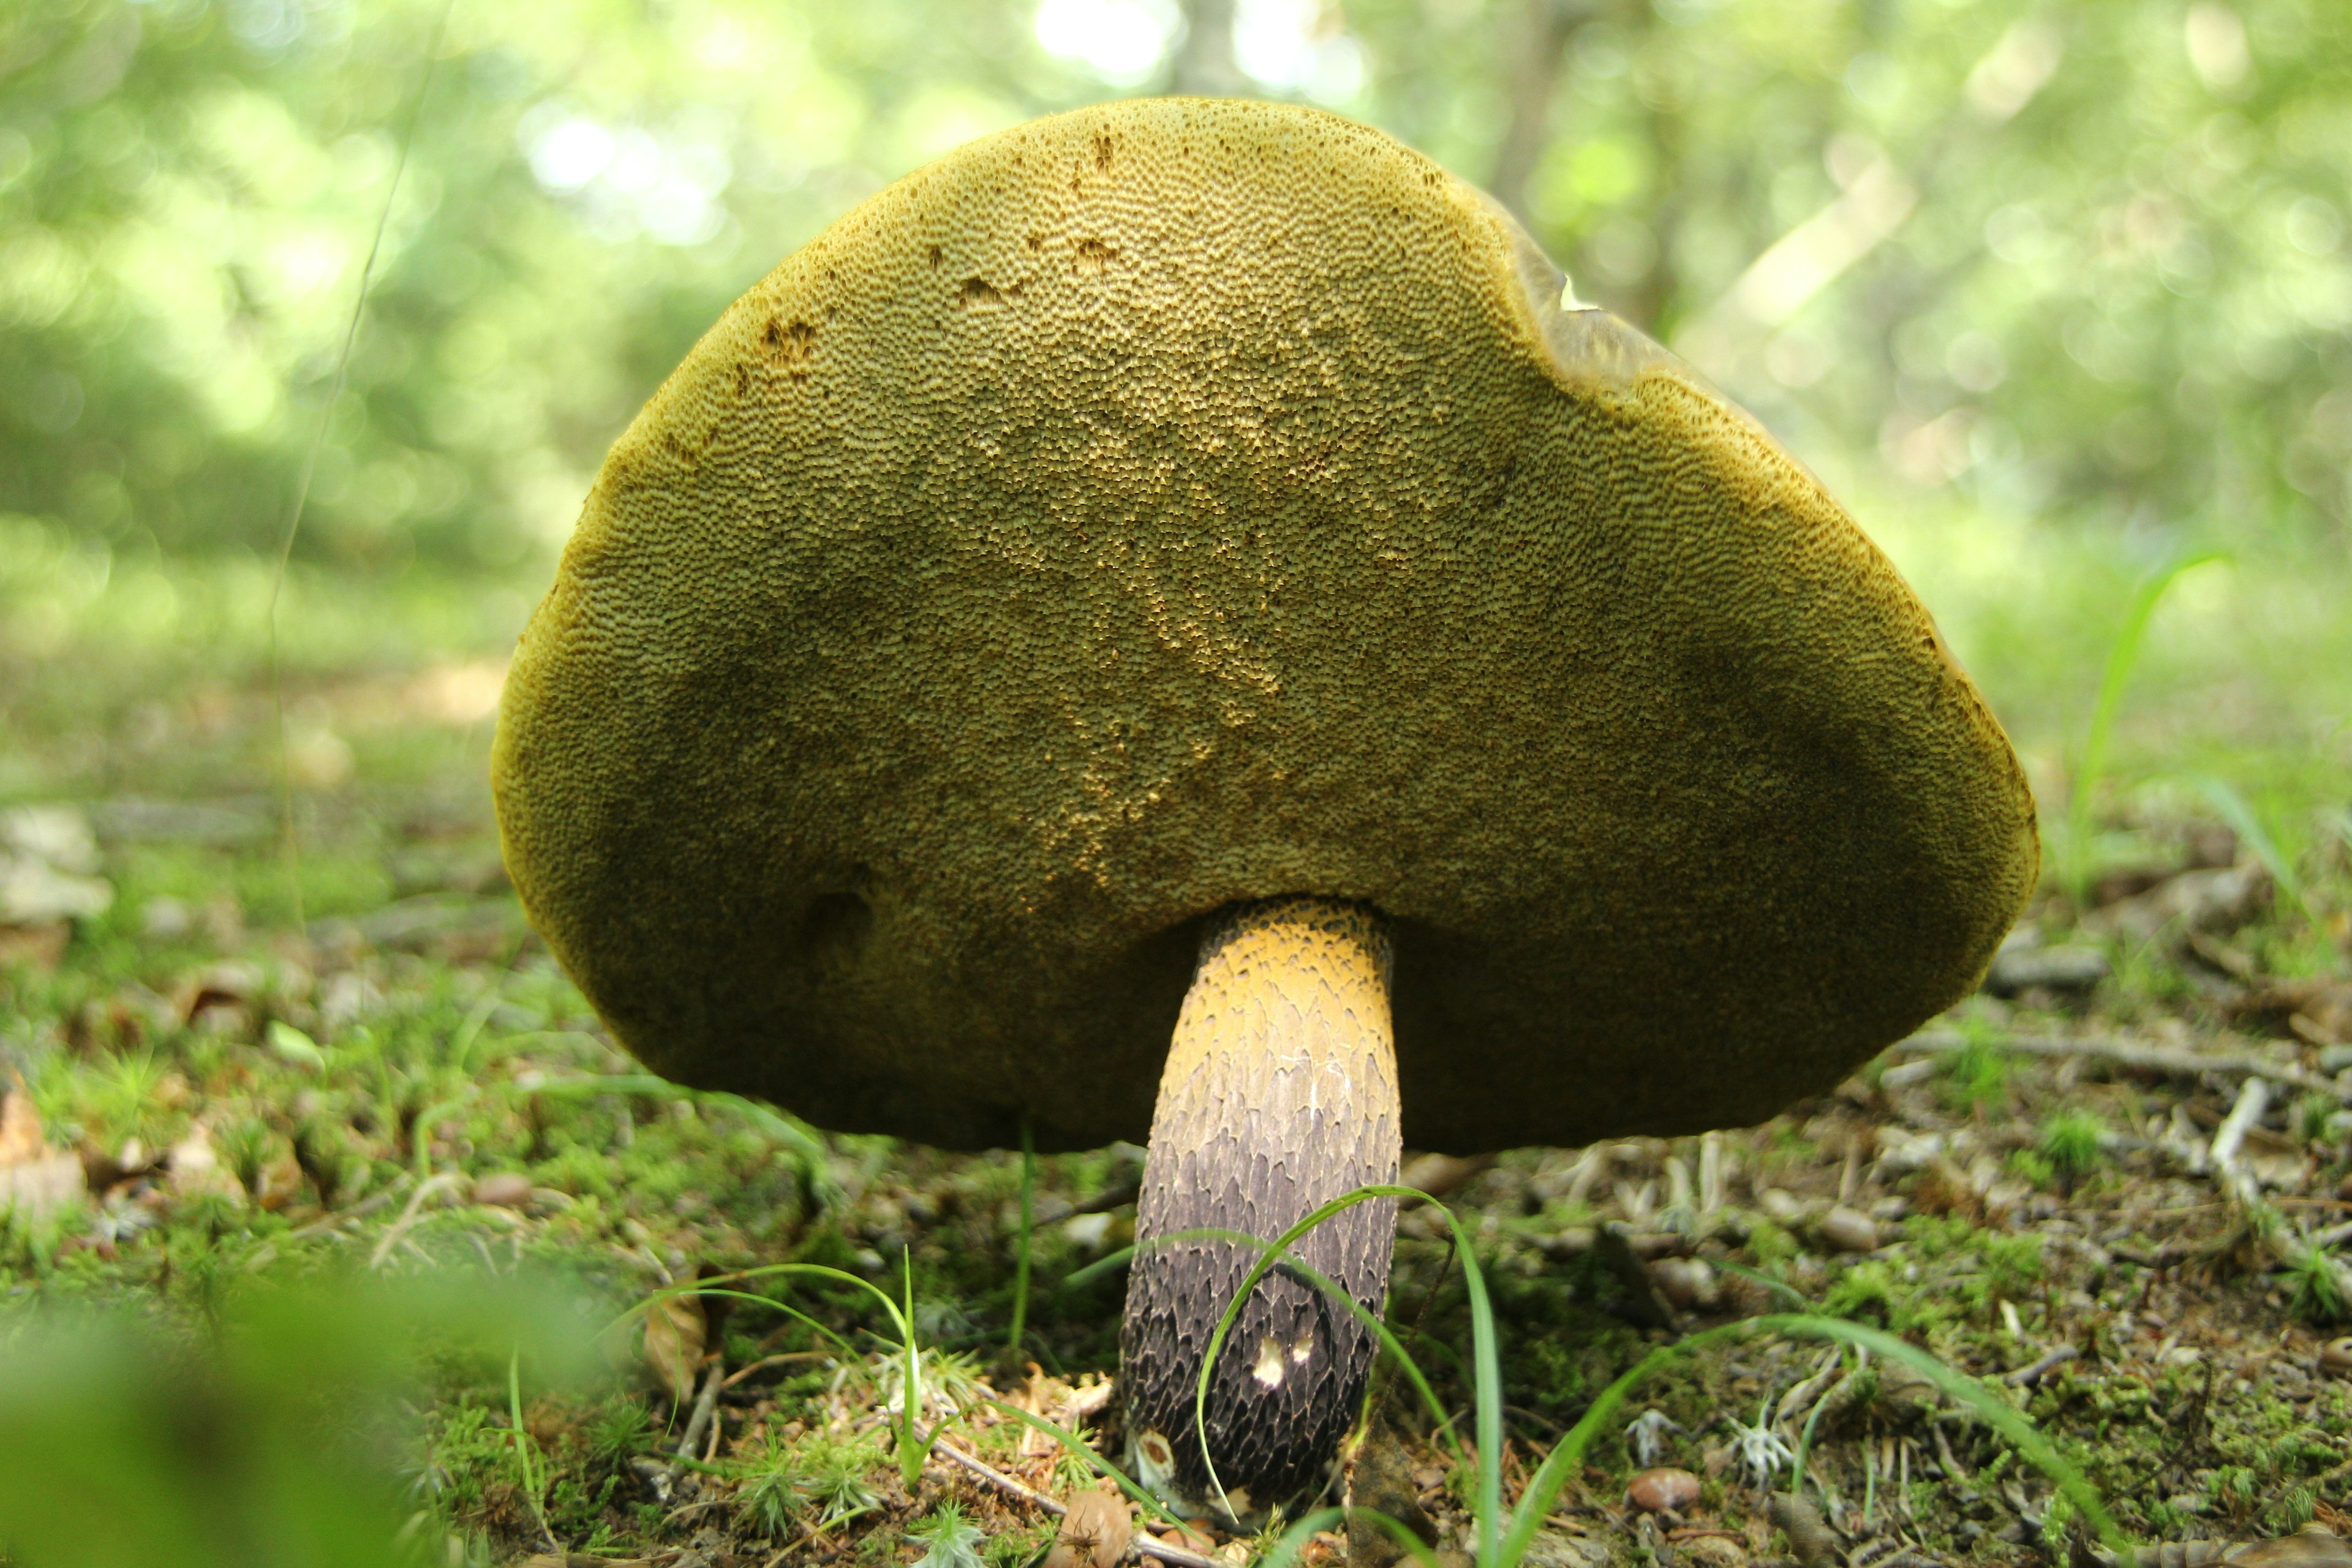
(2248,826)
(704,1291)
(2339,822)
(2123,654)
(1021,1260)
(526,1450)
(1489,1385)
(715,1284)
(290,846)
(420,1130)
(766,1118)
(1805,1444)
(1294,1540)
(1097,1269)
(911,1452)
(1777,1287)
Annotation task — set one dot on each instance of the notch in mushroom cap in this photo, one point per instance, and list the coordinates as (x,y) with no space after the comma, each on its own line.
(1177,569)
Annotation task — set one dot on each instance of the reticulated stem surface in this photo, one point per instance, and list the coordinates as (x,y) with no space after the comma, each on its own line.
(1279,1094)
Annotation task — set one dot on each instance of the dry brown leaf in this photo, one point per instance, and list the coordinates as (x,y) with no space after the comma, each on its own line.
(20,1129)
(197,1169)
(1094,1533)
(228,988)
(1041,1394)
(34,946)
(34,1179)
(1087,1400)
(279,1181)
(1808,1537)
(675,1331)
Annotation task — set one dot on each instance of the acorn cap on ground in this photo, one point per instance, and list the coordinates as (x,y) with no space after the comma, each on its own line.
(1180,502)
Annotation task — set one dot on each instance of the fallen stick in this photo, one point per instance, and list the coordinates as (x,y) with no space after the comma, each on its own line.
(360,1210)
(2253,1099)
(1142,1545)
(2035,1371)
(705,1407)
(2245,1193)
(397,1232)
(2128,1053)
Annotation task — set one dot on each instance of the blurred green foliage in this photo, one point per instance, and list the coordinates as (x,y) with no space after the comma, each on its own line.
(271,1434)
(2087,257)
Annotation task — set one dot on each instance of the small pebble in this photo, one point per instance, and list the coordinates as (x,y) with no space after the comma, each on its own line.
(1713,1552)
(1686,1282)
(1654,1491)
(1850,1230)
(503,1189)
(166,919)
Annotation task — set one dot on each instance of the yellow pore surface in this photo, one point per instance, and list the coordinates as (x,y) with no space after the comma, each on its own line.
(1177,502)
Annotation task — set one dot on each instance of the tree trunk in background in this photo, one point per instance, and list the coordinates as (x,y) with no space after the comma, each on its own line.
(1538,47)
(1204,61)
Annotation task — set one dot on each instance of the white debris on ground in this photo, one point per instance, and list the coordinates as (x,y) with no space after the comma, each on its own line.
(49,864)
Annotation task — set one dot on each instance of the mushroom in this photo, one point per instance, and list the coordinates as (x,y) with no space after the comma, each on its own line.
(1186,570)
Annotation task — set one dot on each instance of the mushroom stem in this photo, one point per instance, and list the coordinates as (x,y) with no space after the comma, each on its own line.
(1280,1093)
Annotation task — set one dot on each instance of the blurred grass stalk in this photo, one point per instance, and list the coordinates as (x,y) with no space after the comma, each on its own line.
(2077,865)
(2256,836)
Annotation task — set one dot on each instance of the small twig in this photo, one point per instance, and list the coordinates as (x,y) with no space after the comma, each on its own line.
(360,1210)
(735,1377)
(2253,1099)
(704,1404)
(654,1473)
(1117,1196)
(2035,1371)
(1799,1398)
(2170,1253)
(809,1532)
(701,1505)
(397,1232)
(997,1478)
(2245,1193)
(1953,1468)
(1591,1166)
(2147,1058)
(1710,1173)
(1143,1544)
(1148,1545)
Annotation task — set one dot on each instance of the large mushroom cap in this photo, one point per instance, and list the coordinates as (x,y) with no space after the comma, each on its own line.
(1175,503)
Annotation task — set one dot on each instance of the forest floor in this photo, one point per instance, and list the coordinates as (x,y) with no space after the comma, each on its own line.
(2065,1187)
